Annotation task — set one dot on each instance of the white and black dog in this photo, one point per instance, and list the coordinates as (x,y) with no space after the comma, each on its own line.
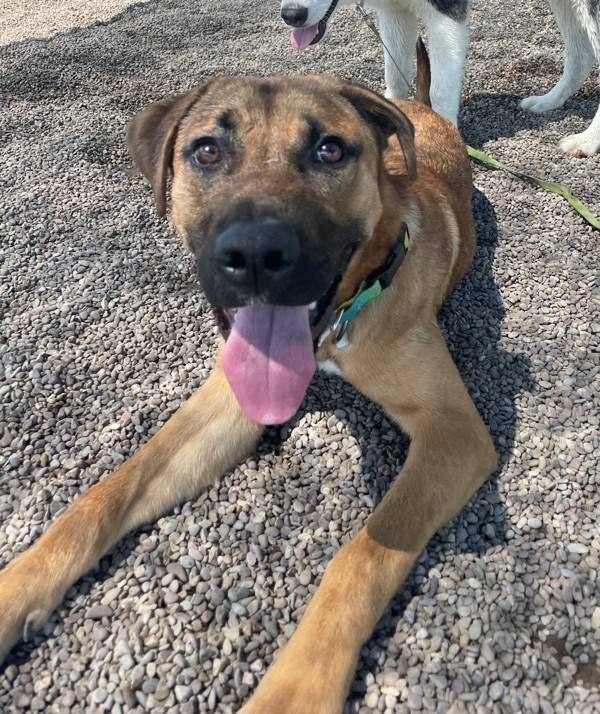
(579,25)
(446,22)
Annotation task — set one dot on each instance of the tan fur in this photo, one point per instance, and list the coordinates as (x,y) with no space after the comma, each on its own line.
(396,356)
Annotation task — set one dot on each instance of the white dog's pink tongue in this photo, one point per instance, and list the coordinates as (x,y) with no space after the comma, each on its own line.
(301,37)
(269,360)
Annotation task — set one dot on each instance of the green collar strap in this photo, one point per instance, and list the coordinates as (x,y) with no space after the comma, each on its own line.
(371,287)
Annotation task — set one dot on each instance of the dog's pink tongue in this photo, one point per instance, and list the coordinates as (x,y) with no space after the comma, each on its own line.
(269,360)
(301,37)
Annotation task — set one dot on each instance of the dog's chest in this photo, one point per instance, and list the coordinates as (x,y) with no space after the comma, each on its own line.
(330,367)
(327,351)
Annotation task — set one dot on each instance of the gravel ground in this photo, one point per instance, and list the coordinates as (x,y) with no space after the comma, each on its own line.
(105,333)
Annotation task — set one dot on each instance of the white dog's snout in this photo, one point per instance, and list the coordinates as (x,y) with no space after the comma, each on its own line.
(308,11)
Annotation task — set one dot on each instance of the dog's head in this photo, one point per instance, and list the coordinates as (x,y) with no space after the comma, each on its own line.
(309,19)
(276,187)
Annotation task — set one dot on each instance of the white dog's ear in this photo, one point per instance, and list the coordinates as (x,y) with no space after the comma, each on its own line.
(151,136)
(386,116)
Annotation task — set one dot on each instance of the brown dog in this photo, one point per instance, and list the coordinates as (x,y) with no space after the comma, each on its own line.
(295,195)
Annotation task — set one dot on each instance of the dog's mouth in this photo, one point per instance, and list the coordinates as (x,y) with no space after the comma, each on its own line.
(269,356)
(318,311)
(302,37)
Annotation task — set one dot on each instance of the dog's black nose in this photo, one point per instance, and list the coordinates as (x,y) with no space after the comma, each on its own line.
(257,256)
(294,15)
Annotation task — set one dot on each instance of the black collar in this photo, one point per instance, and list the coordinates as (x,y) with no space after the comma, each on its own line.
(381,278)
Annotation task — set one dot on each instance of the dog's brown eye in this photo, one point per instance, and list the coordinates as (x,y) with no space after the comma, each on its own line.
(330,152)
(207,153)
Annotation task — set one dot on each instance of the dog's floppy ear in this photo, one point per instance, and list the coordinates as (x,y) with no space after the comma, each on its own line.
(151,137)
(386,116)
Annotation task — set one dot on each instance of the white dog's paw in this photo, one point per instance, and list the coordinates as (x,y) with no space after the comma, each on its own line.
(581,145)
(539,104)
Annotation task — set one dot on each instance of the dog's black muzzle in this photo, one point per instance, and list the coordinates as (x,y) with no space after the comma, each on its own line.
(264,260)
(294,15)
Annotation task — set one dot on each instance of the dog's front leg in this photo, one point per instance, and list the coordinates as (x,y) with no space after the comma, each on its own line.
(579,35)
(448,42)
(578,62)
(399,29)
(207,436)
(451,454)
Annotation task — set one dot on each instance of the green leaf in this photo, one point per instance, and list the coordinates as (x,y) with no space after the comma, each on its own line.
(551,186)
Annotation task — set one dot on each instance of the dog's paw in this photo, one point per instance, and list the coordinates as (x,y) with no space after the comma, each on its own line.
(541,104)
(581,145)
(22,610)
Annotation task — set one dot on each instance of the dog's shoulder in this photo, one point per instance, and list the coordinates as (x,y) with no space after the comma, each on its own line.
(440,149)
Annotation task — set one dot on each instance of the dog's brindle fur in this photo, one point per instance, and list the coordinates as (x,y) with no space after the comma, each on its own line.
(396,354)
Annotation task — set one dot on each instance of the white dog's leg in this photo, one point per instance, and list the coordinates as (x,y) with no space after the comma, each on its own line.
(399,32)
(581,35)
(448,42)
(586,143)
(579,59)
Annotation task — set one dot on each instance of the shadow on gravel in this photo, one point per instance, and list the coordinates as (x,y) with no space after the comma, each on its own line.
(505,119)
(128,53)
(471,320)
